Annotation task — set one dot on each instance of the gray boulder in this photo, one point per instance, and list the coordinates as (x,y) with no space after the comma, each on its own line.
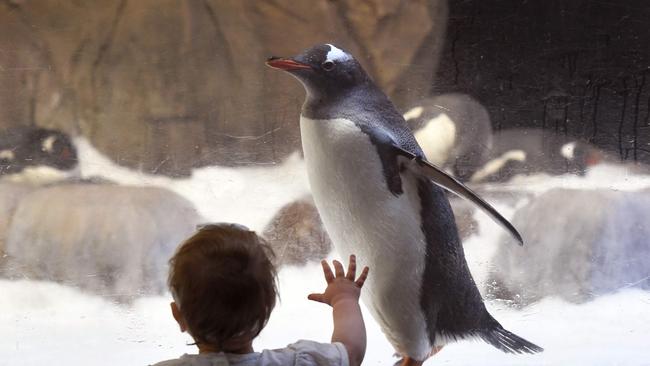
(578,244)
(297,235)
(112,240)
(10,195)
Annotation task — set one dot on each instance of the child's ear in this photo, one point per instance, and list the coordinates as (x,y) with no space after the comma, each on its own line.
(176,312)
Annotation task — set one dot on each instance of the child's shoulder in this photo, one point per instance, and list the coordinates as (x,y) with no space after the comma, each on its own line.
(203,359)
(301,353)
(306,352)
(182,361)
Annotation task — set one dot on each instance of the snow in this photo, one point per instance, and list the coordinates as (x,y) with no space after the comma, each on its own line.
(248,195)
(49,323)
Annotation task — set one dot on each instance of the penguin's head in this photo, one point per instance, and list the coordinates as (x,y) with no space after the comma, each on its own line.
(36,154)
(323,70)
(581,156)
(51,148)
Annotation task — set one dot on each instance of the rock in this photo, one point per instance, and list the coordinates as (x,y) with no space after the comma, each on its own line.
(578,244)
(465,212)
(297,235)
(563,66)
(166,86)
(108,239)
(464,215)
(10,195)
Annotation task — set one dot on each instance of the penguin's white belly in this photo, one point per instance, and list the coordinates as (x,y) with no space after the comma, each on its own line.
(364,218)
(438,138)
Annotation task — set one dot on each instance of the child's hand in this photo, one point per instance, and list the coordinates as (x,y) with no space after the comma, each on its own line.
(342,286)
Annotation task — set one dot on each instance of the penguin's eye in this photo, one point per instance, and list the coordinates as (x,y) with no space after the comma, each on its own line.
(328,65)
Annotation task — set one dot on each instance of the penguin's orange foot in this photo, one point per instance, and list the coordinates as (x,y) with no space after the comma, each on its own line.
(435,350)
(408,361)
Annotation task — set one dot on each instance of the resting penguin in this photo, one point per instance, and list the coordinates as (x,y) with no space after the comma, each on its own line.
(36,155)
(372,188)
(528,151)
(454,131)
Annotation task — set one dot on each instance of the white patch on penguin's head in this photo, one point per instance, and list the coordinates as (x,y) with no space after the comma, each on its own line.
(337,54)
(414,113)
(7,155)
(47,144)
(568,150)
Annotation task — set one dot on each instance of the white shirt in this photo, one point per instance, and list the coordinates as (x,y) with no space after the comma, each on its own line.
(301,353)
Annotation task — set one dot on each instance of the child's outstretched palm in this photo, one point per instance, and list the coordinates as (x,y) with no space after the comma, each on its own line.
(342,294)
(339,285)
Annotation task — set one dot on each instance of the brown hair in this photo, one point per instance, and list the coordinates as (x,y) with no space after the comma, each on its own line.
(224,283)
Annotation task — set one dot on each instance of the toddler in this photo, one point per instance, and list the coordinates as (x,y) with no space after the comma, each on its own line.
(224,289)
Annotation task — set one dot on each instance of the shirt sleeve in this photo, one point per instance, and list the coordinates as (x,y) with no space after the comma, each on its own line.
(310,353)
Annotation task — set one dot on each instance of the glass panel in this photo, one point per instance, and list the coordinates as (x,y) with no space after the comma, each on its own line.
(124,125)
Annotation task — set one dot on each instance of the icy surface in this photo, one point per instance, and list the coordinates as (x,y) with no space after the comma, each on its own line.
(248,195)
(47,323)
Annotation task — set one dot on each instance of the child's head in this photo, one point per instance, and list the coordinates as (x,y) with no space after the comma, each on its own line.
(223,283)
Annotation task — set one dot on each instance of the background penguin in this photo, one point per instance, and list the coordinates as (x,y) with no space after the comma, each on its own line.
(530,151)
(454,131)
(370,185)
(36,155)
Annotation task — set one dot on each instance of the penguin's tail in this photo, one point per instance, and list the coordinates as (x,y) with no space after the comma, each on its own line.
(508,342)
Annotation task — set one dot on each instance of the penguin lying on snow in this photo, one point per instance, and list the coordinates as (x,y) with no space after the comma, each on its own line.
(372,187)
(525,151)
(37,155)
(454,131)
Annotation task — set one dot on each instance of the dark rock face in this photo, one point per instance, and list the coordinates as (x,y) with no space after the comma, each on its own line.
(166,85)
(297,235)
(22,148)
(573,67)
(578,244)
(107,239)
(454,130)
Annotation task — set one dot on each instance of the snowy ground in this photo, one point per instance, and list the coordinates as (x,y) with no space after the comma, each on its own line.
(45,323)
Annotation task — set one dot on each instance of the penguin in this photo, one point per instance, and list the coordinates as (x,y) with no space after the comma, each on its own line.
(527,151)
(37,155)
(374,191)
(454,131)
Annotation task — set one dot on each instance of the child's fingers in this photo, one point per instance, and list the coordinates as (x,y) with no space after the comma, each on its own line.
(362,277)
(316,297)
(329,276)
(352,268)
(338,269)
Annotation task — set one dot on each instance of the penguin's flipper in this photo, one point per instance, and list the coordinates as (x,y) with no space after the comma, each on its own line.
(421,166)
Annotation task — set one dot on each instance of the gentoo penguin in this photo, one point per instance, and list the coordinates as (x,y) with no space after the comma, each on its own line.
(37,155)
(527,151)
(454,131)
(371,186)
